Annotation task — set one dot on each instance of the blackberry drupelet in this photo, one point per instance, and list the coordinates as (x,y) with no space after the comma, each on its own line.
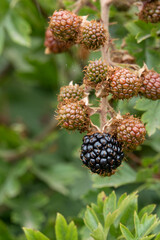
(101,153)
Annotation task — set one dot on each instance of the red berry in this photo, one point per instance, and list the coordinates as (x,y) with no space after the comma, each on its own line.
(130,132)
(150,84)
(124,84)
(65,25)
(150,11)
(95,72)
(93,35)
(73,116)
(53,45)
(74,92)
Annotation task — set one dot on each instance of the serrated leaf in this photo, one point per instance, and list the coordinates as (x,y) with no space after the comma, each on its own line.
(152,114)
(109,204)
(136,224)
(91,219)
(98,233)
(2,38)
(34,235)
(126,233)
(148,209)
(18,29)
(71,233)
(60,227)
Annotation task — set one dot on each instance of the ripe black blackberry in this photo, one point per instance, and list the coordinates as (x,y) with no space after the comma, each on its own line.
(101,153)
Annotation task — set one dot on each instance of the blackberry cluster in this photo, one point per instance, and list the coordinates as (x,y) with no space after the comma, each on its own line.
(93,35)
(53,45)
(101,153)
(65,25)
(150,85)
(74,92)
(95,72)
(150,12)
(124,84)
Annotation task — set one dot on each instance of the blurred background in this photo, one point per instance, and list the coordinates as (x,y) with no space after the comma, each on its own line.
(40,170)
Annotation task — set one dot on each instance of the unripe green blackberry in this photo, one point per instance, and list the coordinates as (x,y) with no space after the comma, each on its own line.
(101,153)
(73,116)
(53,45)
(95,72)
(130,132)
(150,84)
(150,12)
(93,35)
(74,92)
(124,84)
(65,25)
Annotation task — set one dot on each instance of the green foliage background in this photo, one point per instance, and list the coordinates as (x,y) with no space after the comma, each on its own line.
(40,173)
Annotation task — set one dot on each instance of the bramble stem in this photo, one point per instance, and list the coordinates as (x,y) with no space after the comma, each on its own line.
(105,106)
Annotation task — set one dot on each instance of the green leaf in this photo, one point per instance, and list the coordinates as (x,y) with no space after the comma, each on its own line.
(4,232)
(109,204)
(18,29)
(64,231)
(148,209)
(61,227)
(126,233)
(34,235)
(91,219)
(137,224)
(2,38)
(98,233)
(71,232)
(157,237)
(124,175)
(152,114)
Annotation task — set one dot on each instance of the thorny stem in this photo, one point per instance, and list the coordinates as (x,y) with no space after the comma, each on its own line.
(78,5)
(105,106)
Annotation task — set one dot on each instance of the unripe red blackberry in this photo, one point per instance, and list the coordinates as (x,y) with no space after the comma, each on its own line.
(131,132)
(150,84)
(124,84)
(74,92)
(93,35)
(65,25)
(101,153)
(53,45)
(73,116)
(95,72)
(150,12)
